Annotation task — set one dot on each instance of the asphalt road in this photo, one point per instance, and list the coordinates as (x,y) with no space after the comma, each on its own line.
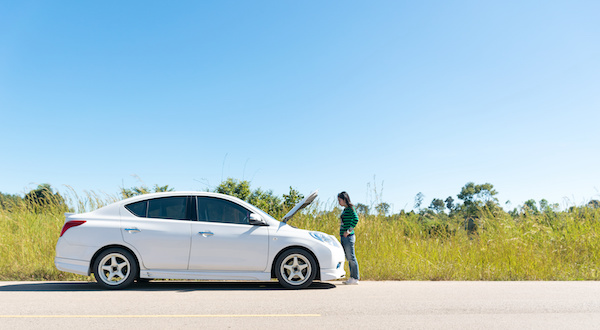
(369,305)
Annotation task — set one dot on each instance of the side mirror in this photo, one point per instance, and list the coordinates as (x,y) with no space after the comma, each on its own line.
(256,220)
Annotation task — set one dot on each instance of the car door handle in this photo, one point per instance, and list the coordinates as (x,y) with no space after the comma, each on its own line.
(132,230)
(206,233)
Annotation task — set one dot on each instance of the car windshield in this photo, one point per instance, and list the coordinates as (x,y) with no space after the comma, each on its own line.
(265,214)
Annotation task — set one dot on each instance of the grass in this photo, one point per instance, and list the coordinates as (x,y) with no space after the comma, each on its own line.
(408,246)
(28,235)
(557,246)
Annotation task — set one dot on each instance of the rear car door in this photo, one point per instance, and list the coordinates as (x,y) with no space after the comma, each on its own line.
(160,229)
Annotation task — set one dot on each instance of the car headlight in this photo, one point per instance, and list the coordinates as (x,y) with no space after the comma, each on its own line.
(324,238)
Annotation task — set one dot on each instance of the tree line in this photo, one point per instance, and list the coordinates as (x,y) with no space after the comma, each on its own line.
(44,195)
(472,202)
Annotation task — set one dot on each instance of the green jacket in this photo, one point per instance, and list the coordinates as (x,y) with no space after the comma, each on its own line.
(349,220)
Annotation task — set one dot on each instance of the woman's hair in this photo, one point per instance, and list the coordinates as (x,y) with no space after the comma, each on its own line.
(344,196)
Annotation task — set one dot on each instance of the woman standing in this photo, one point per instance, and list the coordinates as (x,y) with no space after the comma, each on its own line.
(348,221)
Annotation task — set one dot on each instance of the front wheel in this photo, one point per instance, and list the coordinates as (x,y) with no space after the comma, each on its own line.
(295,269)
(115,268)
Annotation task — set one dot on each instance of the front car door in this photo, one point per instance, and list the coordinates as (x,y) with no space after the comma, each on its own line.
(223,239)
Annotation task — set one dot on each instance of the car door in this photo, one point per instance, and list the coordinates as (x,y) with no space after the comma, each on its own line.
(160,229)
(223,239)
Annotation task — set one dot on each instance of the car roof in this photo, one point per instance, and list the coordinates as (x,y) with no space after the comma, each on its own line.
(177,193)
(113,208)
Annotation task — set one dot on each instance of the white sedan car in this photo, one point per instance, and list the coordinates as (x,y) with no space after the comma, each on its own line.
(194,235)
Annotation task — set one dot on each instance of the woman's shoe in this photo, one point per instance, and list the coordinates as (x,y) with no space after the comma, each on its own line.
(351,281)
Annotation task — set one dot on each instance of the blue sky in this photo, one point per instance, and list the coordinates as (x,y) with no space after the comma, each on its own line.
(406,96)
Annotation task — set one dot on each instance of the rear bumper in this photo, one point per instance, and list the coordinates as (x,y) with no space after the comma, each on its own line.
(80,267)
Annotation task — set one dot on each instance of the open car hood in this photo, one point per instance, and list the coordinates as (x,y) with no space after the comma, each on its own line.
(304,203)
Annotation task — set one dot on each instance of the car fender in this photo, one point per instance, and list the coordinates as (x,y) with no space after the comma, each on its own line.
(122,245)
(286,237)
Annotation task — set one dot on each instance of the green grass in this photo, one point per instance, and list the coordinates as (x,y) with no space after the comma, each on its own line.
(557,246)
(27,244)
(552,246)
(28,235)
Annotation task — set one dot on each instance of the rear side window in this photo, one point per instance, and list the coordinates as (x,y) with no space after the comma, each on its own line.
(140,209)
(169,208)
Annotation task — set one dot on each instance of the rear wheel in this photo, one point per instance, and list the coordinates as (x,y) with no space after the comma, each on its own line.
(295,269)
(115,268)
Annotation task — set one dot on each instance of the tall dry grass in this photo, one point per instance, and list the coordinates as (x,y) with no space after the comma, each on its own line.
(549,246)
(554,246)
(29,231)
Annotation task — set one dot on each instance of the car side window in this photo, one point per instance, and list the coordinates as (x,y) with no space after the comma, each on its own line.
(219,210)
(140,209)
(169,208)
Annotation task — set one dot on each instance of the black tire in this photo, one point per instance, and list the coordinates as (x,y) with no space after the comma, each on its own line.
(295,269)
(115,268)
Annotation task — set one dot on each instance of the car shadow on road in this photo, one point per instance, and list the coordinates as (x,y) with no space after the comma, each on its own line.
(179,286)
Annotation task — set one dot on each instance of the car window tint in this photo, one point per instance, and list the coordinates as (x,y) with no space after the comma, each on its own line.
(139,208)
(219,210)
(169,208)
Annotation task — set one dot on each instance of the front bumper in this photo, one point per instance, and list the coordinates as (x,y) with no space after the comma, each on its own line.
(335,268)
(333,273)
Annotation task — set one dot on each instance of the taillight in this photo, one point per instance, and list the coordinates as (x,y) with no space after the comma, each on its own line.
(69,224)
